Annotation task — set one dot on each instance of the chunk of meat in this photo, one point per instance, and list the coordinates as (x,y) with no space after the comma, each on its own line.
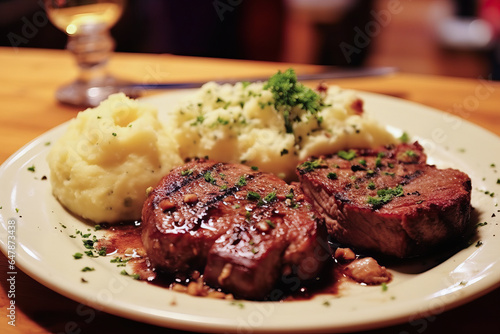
(367,270)
(388,200)
(242,228)
(344,254)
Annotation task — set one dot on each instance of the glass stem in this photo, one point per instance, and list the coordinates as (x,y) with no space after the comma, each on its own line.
(92,51)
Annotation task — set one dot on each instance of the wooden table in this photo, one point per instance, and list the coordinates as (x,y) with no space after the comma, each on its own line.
(28,79)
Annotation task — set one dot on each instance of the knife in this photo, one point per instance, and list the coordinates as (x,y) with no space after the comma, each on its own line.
(325,75)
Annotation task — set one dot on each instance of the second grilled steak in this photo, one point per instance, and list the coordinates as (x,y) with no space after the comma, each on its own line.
(242,228)
(388,200)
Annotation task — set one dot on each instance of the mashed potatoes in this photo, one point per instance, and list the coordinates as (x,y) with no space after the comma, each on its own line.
(272,125)
(101,167)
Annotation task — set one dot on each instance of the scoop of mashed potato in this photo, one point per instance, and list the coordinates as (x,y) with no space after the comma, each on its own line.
(102,165)
(245,123)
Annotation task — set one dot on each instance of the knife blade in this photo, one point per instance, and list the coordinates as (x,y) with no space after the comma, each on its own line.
(325,75)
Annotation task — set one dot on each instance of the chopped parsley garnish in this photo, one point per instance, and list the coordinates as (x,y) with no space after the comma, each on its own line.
(84,269)
(134,276)
(347,155)
(310,165)
(410,153)
(371,185)
(239,304)
(487,192)
(290,201)
(385,196)
(90,253)
(384,286)
(78,255)
(209,178)
(121,262)
(270,223)
(362,162)
(199,120)
(32,168)
(222,121)
(270,197)
(404,138)
(102,251)
(289,93)
(283,152)
(332,176)
(242,181)
(254,168)
(253,196)
(186,172)
(89,244)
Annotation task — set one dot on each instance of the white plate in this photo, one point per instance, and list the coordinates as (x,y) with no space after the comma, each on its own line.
(44,249)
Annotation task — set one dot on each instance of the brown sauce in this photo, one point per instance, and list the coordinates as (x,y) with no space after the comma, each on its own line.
(124,241)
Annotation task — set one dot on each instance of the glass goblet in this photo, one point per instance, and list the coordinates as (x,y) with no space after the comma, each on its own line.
(87,24)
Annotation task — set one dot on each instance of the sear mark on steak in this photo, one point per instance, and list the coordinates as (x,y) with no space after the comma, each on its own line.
(242,228)
(388,200)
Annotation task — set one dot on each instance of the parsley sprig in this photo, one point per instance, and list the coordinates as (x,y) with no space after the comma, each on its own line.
(384,196)
(289,93)
(310,165)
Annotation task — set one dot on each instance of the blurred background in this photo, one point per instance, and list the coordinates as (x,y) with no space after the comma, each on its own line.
(445,37)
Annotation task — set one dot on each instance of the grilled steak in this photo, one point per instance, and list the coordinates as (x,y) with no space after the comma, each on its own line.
(242,228)
(388,200)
